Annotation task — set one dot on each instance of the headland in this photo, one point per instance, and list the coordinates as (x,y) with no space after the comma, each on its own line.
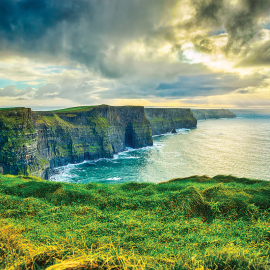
(35,142)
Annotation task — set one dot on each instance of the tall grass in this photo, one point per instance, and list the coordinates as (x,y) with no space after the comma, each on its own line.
(191,223)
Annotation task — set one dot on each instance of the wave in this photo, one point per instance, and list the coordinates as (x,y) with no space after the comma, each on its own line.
(63,173)
(178,130)
(114,179)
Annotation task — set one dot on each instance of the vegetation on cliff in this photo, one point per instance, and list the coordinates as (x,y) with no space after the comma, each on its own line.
(164,120)
(16,133)
(202,114)
(35,142)
(192,223)
(75,109)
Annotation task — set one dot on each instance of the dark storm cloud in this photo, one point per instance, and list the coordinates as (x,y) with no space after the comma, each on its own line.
(36,27)
(259,56)
(241,22)
(84,31)
(242,25)
(93,32)
(208,12)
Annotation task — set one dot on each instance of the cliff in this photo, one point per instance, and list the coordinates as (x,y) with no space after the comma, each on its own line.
(34,142)
(212,114)
(164,120)
(18,141)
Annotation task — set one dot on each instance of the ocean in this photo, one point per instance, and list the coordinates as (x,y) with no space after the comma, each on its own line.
(238,146)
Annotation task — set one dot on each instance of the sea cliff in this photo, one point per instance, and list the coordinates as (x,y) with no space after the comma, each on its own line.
(35,142)
(18,141)
(164,120)
(202,114)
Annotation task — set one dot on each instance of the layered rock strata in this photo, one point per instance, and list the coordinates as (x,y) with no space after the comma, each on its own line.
(164,120)
(35,142)
(18,141)
(202,114)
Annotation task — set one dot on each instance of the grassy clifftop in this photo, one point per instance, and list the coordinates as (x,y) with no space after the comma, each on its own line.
(192,223)
(75,109)
(164,120)
(202,114)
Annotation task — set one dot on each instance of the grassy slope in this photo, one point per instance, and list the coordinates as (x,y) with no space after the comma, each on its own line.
(3,109)
(75,109)
(192,223)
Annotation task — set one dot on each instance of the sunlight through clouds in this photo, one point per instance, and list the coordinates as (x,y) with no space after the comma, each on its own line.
(125,51)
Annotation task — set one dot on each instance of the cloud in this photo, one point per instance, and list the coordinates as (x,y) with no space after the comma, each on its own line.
(241,21)
(95,50)
(208,13)
(209,85)
(259,56)
(82,31)
(188,86)
(94,33)
(10,91)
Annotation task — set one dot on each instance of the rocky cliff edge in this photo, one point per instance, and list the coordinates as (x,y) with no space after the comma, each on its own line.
(202,114)
(164,120)
(35,142)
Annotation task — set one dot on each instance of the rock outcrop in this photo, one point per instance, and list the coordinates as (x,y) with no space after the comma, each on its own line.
(18,141)
(164,120)
(202,114)
(34,142)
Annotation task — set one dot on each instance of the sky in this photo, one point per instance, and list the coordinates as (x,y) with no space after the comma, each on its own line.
(179,53)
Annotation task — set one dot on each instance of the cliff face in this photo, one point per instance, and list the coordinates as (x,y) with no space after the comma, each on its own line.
(18,141)
(164,120)
(212,114)
(35,142)
(43,140)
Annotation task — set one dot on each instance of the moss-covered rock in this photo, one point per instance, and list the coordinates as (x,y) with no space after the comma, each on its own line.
(34,142)
(17,141)
(164,120)
(202,114)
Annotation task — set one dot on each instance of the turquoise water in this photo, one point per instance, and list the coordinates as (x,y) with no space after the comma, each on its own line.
(239,146)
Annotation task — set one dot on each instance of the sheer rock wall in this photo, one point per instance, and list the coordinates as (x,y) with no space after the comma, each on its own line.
(202,114)
(35,142)
(164,120)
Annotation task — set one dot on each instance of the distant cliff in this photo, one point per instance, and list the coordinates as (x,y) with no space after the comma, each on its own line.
(34,142)
(164,120)
(212,114)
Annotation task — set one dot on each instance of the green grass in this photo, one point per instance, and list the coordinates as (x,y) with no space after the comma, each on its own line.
(54,121)
(158,120)
(3,109)
(192,223)
(75,109)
